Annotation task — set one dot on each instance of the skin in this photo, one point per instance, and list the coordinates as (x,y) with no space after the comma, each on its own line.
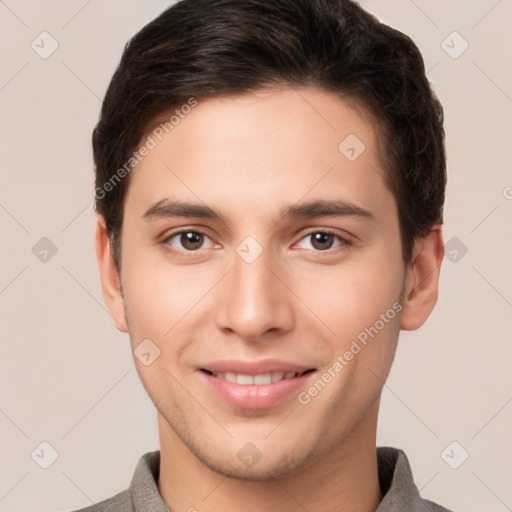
(249,157)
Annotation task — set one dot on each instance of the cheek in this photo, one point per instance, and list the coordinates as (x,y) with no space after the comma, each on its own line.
(366,325)
(352,296)
(159,297)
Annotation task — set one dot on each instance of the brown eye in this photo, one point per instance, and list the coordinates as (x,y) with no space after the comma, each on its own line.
(322,241)
(188,241)
(191,240)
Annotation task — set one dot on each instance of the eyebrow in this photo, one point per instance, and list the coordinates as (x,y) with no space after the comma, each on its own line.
(312,209)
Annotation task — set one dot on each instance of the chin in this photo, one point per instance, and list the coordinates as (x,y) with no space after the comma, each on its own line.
(245,461)
(261,471)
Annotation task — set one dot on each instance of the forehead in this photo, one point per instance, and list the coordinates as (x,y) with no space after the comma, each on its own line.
(285,117)
(262,149)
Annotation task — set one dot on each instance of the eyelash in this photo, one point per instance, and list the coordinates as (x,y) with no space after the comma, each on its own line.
(344,242)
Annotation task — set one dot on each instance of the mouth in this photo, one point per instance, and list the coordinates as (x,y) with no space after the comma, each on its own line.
(262,379)
(254,385)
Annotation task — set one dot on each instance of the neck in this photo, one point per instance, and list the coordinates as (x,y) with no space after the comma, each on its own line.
(345,479)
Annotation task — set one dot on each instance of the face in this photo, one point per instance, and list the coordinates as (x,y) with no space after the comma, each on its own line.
(261,257)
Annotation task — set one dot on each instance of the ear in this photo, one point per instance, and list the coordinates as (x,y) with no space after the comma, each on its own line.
(422,279)
(110,280)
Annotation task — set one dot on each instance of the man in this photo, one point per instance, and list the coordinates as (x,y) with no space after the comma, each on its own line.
(270,179)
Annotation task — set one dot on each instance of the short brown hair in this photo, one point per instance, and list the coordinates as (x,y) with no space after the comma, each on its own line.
(204,48)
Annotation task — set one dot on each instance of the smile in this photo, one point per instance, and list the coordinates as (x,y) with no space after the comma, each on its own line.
(261,379)
(254,385)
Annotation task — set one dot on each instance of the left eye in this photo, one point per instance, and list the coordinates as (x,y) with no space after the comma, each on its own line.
(189,240)
(323,240)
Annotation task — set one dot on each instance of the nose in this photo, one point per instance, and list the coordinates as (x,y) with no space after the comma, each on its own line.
(253,301)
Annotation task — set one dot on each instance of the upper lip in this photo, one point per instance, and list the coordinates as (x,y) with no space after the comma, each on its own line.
(261,367)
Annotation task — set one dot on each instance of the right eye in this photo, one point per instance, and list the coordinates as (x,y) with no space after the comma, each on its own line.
(187,240)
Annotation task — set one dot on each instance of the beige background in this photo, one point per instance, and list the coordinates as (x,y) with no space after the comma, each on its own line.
(67,376)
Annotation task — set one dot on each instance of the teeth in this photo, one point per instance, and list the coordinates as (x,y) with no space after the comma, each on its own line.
(263,379)
(231,377)
(244,379)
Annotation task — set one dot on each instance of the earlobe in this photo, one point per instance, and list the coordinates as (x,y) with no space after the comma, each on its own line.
(422,280)
(110,279)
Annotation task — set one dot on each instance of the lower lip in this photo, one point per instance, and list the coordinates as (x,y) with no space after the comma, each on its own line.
(255,396)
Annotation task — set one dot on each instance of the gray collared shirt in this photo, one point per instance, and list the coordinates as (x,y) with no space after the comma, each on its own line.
(395,477)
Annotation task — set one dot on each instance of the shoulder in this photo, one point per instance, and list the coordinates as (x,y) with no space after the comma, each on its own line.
(397,484)
(121,502)
(142,493)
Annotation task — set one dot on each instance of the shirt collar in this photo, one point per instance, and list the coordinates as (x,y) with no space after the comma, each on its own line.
(144,488)
(396,481)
